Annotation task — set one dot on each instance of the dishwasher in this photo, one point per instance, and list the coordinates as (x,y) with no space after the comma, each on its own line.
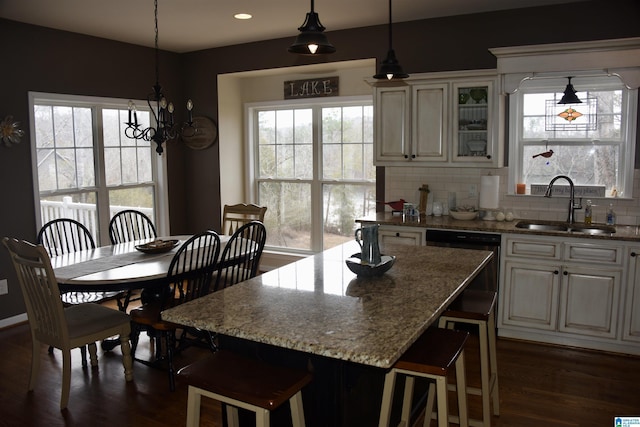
(487,279)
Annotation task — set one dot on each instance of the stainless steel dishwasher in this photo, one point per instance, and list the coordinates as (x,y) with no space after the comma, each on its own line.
(486,280)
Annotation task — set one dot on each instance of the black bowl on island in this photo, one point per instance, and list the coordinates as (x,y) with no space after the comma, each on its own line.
(356,265)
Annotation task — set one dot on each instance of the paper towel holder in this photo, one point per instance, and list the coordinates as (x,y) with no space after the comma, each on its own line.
(488,203)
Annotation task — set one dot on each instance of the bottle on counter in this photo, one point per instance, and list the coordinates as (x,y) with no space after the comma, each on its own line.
(588,213)
(611,215)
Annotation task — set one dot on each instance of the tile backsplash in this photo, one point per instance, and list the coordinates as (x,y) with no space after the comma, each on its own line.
(404,182)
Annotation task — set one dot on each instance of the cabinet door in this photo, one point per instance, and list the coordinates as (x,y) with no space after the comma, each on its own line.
(429,125)
(632,299)
(392,124)
(476,135)
(589,301)
(530,295)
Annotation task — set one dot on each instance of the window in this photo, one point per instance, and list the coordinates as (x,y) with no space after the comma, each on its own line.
(601,155)
(86,169)
(313,169)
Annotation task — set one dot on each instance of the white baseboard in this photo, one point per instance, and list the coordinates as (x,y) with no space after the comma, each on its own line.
(14,320)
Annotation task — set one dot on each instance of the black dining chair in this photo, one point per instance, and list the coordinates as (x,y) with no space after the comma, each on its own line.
(240,258)
(63,236)
(189,277)
(129,225)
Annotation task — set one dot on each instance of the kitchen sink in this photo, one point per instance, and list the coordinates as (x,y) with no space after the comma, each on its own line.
(563,226)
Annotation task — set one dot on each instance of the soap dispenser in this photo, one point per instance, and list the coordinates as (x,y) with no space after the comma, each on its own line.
(611,215)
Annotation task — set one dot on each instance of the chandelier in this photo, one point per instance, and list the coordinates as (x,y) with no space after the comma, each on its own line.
(165,127)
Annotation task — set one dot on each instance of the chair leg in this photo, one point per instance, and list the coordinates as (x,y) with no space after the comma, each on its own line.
(93,354)
(83,355)
(127,359)
(171,343)
(232,416)
(461,387)
(135,336)
(387,398)
(35,362)
(443,405)
(193,407)
(484,377)
(431,397)
(262,417)
(66,378)
(407,399)
(297,410)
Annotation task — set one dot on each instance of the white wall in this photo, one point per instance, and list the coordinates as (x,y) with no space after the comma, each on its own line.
(403,182)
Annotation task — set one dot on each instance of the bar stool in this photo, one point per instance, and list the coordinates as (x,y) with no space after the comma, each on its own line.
(477,307)
(245,383)
(431,356)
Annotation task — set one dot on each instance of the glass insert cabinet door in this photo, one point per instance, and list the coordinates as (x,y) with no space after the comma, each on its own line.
(472,137)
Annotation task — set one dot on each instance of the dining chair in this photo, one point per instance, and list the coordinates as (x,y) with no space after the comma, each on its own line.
(63,236)
(235,216)
(53,324)
(129,225)
(240,258)
(189,277)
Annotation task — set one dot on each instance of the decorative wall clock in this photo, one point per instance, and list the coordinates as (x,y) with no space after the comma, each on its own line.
(203,134)
(10,132)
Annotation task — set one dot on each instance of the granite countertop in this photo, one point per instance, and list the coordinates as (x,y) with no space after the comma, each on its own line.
(317,305)
(445,222)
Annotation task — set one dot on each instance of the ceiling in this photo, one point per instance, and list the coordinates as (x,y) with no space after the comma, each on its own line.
(190,25)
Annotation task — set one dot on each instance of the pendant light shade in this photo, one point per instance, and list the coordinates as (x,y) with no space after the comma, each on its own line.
(390,68)
(311,40)
(569,96)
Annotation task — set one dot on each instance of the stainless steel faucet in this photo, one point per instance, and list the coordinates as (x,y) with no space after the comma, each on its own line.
(571,217)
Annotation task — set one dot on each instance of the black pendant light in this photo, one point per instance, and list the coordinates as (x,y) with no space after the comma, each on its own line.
(570,96)
(390,68)
(311,40)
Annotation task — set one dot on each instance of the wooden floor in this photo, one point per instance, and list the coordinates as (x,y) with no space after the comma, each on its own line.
(539,386)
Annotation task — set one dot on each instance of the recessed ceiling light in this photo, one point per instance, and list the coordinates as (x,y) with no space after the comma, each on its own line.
(242,16)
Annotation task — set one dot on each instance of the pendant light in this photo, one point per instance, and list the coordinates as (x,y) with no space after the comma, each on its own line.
(569,96)
(311,40)
(390,68)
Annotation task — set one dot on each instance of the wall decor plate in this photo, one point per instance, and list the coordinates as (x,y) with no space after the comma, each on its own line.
(203,134)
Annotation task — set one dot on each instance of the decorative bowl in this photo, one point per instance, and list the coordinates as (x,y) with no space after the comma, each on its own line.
(369,270)
(157,246)
(463,215)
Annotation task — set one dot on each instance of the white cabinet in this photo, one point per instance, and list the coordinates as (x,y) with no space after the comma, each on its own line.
(433,120)
(563,291)
(401,235)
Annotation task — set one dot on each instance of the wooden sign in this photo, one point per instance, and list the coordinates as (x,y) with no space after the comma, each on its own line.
(311,88)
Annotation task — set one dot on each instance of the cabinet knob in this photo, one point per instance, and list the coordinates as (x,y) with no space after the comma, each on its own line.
(633,254)
(566,273)
(406,157)
(397,234)
(556,272)
(413,156)
(489,156)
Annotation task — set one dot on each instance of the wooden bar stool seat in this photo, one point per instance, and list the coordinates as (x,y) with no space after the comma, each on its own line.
(431,356)
(477,307)
(245,383)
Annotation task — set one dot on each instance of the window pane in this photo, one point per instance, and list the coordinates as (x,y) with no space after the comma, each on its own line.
(63,126)
(81,207)
(586,165)
(342,205)
(43,119)
(66,168)
(86,167)
(138,198)
(288,217)
(284,127)
(83,127)
(113,171)
(47,178)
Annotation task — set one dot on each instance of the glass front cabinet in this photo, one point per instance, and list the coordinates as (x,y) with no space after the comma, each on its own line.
(440,119)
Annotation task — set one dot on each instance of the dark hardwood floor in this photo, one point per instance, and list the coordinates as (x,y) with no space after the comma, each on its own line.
(539,386)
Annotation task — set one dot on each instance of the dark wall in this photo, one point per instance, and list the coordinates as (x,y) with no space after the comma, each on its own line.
(39,59)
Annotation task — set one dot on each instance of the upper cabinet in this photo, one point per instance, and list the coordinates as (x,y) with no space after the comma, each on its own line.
(439,119)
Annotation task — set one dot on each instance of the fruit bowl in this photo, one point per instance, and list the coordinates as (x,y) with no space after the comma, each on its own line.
(463,215)
(356,265)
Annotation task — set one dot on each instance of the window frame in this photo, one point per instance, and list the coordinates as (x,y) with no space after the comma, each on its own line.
(96,105)
(556,83)
(317,182)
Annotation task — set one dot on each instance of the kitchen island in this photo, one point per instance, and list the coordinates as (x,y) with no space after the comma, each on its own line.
(317,314)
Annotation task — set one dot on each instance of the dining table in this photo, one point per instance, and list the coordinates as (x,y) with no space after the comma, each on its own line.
(317,314)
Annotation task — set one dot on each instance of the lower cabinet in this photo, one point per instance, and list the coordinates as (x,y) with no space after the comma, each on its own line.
(632,300)
(569,291)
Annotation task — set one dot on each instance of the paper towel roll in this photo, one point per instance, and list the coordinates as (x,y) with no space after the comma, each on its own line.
(489,192)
